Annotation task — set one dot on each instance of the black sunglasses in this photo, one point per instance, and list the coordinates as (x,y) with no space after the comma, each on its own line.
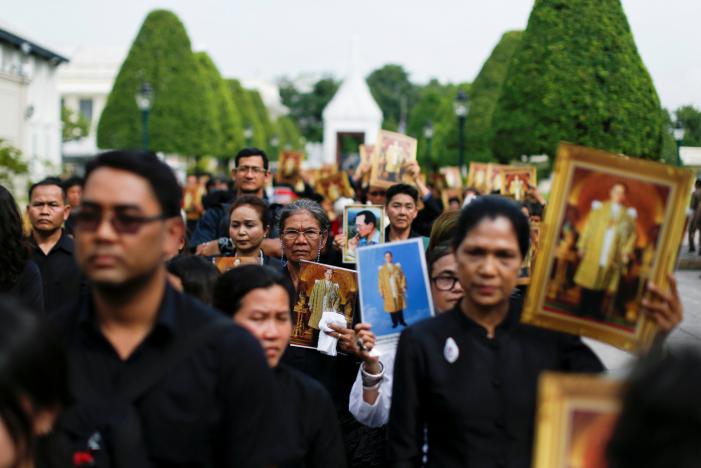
(90,219)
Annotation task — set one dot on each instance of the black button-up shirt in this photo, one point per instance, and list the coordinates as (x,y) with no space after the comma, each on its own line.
(479,409)
(218,408)
(62,280)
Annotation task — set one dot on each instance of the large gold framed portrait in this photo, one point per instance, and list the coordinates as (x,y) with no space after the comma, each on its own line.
(516,180)
(576,417)
(612,224)
(322,290)
(389,158)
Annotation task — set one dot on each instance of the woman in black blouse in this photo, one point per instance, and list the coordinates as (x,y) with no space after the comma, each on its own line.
(468,378)
(259,299)
(19,276)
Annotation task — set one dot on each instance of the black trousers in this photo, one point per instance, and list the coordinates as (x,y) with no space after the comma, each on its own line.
(397,318)
(592,303)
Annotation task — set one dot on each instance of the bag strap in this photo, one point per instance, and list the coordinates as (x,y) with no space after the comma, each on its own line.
(148,373)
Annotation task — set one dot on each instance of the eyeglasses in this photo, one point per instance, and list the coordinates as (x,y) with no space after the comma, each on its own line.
(293,234)
(122,223)
(444,283)
(254,169)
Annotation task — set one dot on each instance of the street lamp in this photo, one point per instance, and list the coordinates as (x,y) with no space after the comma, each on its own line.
(248,135)
(144,101)
(461,107)
(678,132)
(428,134)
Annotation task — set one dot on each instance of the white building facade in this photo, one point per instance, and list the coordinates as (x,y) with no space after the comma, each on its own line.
(30,106)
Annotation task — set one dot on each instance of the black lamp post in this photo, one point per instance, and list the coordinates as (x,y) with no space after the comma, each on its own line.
(428,134)
(678,132)
(144,101)
(461,107)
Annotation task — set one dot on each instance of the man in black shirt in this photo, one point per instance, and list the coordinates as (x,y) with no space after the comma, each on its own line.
(52,247)
(216,407)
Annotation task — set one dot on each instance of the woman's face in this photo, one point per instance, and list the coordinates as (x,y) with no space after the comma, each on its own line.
(488,262)
(297,245)
(246,229)
(446,290)
(265,313)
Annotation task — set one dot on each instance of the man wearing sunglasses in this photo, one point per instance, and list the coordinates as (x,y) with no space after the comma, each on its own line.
(202,411)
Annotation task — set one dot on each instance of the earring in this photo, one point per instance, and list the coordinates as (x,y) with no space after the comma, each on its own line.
(318,253)
(283,260)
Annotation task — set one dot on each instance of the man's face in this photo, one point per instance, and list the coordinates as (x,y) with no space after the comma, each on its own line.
(488,261)
(388,257)
(401,211)
(618,193)
(108,257)
(250,174)
(365,230)
(328,274)
(74,194)
(47,210)
(376,195)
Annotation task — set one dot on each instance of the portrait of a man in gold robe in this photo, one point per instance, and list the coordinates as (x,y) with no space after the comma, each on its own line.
(325,297)
(392,286)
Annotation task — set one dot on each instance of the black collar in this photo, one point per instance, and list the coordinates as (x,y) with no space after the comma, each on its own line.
(64,243)
(412,234)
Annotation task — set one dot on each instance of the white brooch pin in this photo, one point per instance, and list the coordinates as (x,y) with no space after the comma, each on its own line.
(451,351)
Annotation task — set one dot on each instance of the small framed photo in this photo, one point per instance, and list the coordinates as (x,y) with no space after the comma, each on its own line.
(366,153)
(612,225)
(363,225)
(485,177)
(289,167)
(516,180)
(324,292)
(394,290)
(453,177)
(575,420)
(452,198)
(334,186)
(392,152)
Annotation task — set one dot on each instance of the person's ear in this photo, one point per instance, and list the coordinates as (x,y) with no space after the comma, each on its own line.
(66,211)
(175,233)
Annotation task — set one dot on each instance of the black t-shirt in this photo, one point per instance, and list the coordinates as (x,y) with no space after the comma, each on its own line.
(219,407)
(62,281)
(476,396)
(315,434)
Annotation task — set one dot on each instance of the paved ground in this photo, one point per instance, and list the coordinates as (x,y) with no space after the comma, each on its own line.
(688,333)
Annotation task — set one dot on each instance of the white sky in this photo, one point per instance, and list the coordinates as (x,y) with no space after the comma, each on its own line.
(445,39)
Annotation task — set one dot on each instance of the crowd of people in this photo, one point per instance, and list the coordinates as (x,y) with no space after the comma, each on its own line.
(122,343)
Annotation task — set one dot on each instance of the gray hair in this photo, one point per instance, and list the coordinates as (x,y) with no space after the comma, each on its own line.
(304,204)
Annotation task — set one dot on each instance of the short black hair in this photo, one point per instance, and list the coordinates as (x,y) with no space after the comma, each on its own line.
(72,181)
(147,165)
(252,151)
(255,202)
(406,189)
(388,252)
(492,207)
(232,286)
(197,275)
(48,181)
(660,420)
(369,217)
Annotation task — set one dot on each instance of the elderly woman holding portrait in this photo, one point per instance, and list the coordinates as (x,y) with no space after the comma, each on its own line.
(467,378)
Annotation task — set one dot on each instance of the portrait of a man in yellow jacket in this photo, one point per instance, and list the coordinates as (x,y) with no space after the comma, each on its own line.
(392,286)
(605,247)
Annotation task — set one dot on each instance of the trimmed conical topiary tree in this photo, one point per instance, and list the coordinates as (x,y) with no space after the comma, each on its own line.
(182,118)
(577,76)
(484,96)
(249,116)
(227,118)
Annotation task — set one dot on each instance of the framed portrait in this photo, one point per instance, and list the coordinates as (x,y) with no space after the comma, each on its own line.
(612,225)
(524,276)
(363,225)
(394,290)
(515,181)
(392,152)
(334,186)
(323,292)
(575,420)
(478,177)
(289,167)
(366,152)
(453,176)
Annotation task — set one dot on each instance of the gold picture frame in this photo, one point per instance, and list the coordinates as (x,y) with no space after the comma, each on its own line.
(366,154)
(392,152)
(575,419)
(289,167)
(334,186)
(377,236)
(453,177)
(515,181)
(586,285)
